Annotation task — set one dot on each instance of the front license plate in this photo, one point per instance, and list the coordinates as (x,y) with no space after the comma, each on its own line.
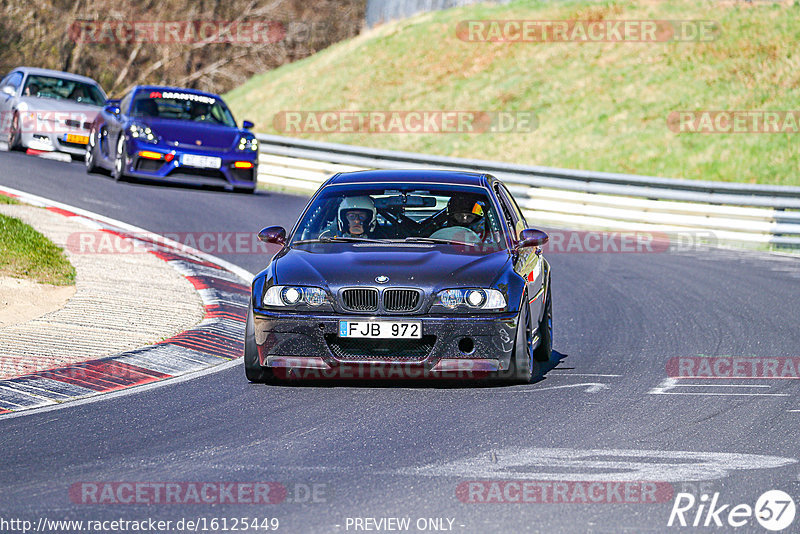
(204,162)
(381,329)
(75,138)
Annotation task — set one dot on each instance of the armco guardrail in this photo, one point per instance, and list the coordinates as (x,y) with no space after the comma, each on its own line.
(748,213)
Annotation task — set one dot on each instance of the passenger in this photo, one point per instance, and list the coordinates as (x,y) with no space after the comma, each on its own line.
(357,217)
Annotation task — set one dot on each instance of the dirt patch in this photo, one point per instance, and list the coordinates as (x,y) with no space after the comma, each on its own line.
(23,300)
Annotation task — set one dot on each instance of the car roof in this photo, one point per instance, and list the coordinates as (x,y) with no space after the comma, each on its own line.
(174,89)
(58,73)
(416,176)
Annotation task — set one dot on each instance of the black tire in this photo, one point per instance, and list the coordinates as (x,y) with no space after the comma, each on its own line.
(120,161)
(245,190)
(252,369)
(522,362)
(14,134)
(521,366)
(90,158)
(545,349)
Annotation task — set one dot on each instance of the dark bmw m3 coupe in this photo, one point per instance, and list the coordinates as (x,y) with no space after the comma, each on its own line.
(407,274)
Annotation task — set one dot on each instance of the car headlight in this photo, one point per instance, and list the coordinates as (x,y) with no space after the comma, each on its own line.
(247,144)
(283,296)
(142,132)
(471,299)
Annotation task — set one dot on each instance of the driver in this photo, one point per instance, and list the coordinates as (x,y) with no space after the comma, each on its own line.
(200,111)
(32,90)
(357,216)
(464,220)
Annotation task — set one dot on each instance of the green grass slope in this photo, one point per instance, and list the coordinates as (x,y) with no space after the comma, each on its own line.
(600,106)
(25,253)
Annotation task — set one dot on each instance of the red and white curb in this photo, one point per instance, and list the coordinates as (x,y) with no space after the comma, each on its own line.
(215,341)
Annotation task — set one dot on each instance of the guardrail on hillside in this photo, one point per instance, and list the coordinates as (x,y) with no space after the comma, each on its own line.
(750,213)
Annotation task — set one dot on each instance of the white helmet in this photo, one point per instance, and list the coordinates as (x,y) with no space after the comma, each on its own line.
(357,203)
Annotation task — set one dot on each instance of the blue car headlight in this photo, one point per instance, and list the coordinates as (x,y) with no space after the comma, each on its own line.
(470,299)
(295,296)
(143,133)
(247,144)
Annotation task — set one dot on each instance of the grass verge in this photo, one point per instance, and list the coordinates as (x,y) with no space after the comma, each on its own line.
(600,105)
(25,253)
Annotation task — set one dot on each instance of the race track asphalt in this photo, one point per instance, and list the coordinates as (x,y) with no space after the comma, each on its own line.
(390,450)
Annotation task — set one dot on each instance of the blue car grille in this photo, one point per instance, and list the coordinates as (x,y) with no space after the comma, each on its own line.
(400,300)
(360,299)
(191,171)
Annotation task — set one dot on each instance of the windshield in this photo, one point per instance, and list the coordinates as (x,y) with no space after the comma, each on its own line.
(442,214)
(182,106)
(62,89)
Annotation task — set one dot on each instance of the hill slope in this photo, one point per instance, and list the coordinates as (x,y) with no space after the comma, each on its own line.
(600,106)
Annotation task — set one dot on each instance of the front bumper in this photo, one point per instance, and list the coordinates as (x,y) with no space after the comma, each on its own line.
(451,346)
(175,171)
(54,142)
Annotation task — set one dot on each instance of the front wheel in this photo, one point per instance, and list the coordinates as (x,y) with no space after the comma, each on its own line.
(90,158)
(522,362)
(14,135)
(521,365)
(252,368)
(120,161)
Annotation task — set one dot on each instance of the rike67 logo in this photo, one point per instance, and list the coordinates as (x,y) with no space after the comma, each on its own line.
(774,510)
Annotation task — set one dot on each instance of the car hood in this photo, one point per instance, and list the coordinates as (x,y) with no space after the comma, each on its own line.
(430,268)
(75,110)
(192,134)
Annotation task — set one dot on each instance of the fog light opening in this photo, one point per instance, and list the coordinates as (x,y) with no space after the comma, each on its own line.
(466,345)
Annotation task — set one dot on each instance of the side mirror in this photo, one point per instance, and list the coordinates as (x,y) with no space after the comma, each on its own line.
(112,107)
(247,125)
(273,234)
(530,237)
(9,90)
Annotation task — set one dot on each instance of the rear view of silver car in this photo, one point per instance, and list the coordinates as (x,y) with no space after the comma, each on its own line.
(48,110)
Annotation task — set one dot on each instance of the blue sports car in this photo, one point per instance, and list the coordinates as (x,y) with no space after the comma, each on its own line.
(173,135)
(406,274)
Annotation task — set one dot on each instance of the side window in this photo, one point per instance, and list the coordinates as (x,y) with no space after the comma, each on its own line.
(514,206)
(507,216)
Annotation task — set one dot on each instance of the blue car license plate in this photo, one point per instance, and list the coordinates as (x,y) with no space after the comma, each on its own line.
(202,162)
(381,329)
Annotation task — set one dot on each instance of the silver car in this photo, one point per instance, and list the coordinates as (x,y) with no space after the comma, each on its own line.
(48,110)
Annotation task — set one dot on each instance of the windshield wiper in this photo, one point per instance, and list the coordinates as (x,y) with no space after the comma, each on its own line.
(342,239)
(437,240)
